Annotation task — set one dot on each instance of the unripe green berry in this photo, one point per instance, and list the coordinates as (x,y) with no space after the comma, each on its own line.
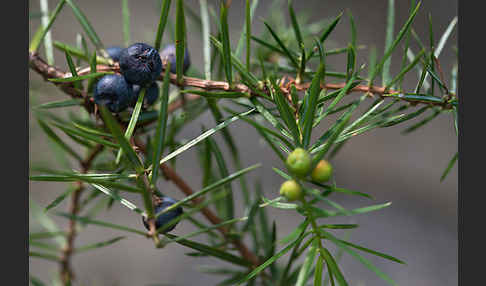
(299,162)
(322,172)
(291,190)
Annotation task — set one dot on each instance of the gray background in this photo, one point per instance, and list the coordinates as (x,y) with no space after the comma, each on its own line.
(420,227)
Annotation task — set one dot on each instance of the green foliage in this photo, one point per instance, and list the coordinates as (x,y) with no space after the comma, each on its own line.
(180,39)
(282,87)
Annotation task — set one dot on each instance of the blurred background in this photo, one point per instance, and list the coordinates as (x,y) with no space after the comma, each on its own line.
(420,227)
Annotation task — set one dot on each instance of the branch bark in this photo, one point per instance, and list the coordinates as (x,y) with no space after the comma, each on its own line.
(66,271)
(47,71)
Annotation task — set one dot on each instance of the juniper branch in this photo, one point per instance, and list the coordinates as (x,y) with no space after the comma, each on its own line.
(66,271)
(47,71)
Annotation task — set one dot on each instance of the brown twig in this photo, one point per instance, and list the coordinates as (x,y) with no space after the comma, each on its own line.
(441,75)
(65,262)
(48,71)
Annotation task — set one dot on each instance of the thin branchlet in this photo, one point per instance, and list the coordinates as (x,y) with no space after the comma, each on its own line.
(66,271)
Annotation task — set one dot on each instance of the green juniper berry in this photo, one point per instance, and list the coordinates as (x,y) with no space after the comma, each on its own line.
(291,190)
(299,162)
(322,172)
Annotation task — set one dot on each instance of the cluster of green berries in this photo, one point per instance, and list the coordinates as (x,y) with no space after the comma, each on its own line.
(299,163)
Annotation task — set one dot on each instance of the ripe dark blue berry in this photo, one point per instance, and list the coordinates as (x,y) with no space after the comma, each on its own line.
(114,52)
(113,91)
(169,54)
(151,94)
(166,217)
(140,64)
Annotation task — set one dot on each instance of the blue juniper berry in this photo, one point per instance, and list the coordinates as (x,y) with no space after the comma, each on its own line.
(150,97)
(113,91)
(169,54)
(163,219)
(114,52)
(140,64)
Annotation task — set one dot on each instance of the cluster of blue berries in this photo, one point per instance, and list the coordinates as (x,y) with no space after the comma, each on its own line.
(165,218)
(140,66)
